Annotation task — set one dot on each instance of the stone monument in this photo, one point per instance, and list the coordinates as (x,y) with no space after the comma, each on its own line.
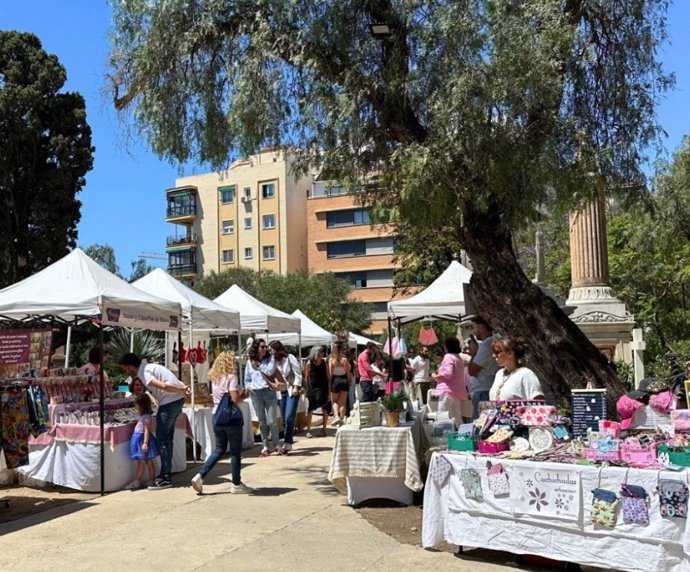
(596,309)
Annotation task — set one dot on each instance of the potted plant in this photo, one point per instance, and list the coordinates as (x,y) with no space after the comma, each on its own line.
(393,404)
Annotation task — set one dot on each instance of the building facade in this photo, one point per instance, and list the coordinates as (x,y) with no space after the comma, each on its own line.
(342,240)
(253,215)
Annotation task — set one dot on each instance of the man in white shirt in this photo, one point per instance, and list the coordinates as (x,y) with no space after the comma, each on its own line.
(482,368)
(170,393)
(419,367)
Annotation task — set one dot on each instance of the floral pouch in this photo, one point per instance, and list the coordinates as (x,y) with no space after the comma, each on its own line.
(498,479)
(472,484)
(673,498)
(634,504)
(604,508)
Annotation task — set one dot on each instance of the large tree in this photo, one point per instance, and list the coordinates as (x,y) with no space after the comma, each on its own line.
(475,111)
(45,151)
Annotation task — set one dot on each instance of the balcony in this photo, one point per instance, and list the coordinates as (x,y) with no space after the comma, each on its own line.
(182,270)
(181,213)
(176,243)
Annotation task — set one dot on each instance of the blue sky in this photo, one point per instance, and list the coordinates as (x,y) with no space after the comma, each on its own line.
(123,200)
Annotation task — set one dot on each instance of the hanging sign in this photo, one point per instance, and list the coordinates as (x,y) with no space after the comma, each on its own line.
(22,350)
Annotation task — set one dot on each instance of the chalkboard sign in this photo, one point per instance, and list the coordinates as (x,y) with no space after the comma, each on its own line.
(589,407)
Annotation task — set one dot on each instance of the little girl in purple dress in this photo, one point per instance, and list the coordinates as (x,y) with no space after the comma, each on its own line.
(143,447)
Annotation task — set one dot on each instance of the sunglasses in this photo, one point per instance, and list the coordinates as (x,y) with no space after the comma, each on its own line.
(499,352)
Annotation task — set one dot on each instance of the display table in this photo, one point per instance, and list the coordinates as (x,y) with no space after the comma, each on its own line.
(379,462)
(69,456)
(54,411)
(201,421)
(547,513)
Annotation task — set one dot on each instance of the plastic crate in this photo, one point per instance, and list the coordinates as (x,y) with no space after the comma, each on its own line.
(493,448)
(676,455)
(461,442)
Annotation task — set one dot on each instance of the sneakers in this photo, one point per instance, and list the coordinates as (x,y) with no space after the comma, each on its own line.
(287,447)
(133,486)
(160,484)
(264,453)
(309,435)
(198,483)
(240,489)
(282,451)
(335,422)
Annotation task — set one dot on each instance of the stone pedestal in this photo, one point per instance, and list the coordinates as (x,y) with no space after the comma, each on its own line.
(596,309)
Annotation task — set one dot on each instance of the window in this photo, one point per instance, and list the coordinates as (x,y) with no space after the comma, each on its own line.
(346,248)
(337,190)
(228,226)
(378,307)
(248,223)
(348,217)
(228,256)
(269,221)
(268,190)
(248,192)
(269,252)
(248,253)
(369,278)
(227,194)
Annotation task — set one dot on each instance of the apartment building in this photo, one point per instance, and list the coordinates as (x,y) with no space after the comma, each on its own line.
(253,215)
(342,240)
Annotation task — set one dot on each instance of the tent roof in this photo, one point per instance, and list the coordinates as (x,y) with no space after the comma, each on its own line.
(78,288)
(202,313)
(360,340)
(444,297)
(255,316)
(312,333)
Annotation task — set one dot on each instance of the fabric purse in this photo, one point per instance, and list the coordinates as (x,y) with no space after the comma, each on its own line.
(227,414)
(498,479)
(673,498)
(635,504)
(472,483)
(604,508)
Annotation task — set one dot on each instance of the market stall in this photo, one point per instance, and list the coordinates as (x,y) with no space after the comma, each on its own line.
(546,509)
(379,462)
(311,334)
(76,289)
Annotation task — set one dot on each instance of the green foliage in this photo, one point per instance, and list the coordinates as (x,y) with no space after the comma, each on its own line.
(393,402)
(325,298)
(45,151)
(104,254)
(140,268)
(147,345)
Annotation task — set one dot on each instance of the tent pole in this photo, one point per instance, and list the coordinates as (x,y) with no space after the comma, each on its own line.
(131,341)
(240,375)
(191,381)
(390,346)
(101,406)
(67,344)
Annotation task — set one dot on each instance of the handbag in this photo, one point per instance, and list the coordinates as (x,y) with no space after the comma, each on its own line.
(498,479)
(673,498)
(604,508)
(227,414)
(472,484)
(634,504)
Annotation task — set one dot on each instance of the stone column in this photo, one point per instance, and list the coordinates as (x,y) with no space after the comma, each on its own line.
(596,309)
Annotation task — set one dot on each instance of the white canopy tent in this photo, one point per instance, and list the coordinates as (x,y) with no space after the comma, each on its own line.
(444,298)
(357,340)
(255,316)
(76,289)
(311,333)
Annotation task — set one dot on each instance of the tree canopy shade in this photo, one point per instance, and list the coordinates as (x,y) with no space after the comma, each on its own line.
(45,151)
(470,113)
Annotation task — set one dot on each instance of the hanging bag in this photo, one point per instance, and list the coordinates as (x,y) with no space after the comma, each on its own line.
(635,505)
(228,413)
(673,498)
(471,483)
(498,479)
(604,506)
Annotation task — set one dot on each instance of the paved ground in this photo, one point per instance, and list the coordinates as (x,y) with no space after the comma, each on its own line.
(296,521)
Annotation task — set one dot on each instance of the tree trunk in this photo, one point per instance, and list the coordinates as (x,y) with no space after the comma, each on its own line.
(558,351)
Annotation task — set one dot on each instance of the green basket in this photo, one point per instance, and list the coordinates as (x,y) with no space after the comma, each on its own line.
(461,443)
(676,457)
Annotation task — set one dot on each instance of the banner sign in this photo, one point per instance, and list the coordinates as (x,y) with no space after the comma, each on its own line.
(143,320)
(22,350)
(546,492)
(589,407)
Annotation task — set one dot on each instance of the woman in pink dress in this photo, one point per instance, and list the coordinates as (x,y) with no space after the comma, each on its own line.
(450,380)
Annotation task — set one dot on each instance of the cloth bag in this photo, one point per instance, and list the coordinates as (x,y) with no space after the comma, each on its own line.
(472,484)
(498,479)
(673,498)
(634,504)
(604,508)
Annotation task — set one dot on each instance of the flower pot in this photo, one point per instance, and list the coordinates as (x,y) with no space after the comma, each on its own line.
(392,418)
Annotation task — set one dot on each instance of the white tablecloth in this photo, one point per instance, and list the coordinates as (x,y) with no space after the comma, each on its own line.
(201,421)
(394,453)
(78,465)
(498,523)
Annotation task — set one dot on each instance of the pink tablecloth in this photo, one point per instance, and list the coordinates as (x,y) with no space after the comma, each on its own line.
(55,409)
(114,433)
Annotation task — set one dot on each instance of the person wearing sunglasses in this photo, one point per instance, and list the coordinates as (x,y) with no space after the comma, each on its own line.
(513,380)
